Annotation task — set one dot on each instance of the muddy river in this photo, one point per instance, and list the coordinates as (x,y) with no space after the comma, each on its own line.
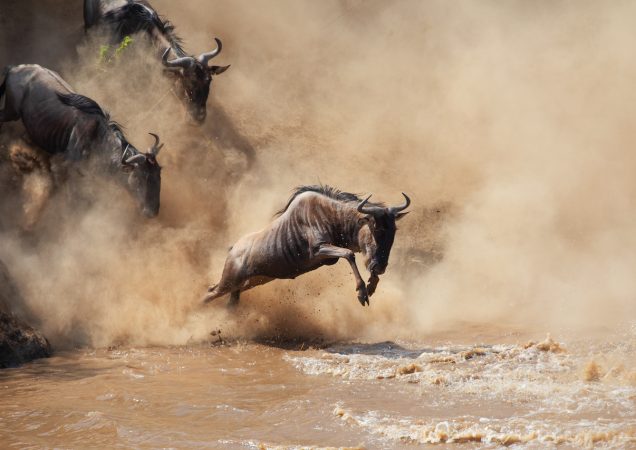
(482,390)
(509,124)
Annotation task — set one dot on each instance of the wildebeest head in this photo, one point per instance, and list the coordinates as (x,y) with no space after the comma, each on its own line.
(144,176)
(195,77)
(378,232)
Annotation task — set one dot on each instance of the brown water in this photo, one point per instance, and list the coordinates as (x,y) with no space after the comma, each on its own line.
(383,395)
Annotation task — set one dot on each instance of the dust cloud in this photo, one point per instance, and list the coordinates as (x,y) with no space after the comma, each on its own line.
(509,125)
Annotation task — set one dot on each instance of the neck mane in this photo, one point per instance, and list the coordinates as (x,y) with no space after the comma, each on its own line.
(346,225)
(107,129)
(330,192)
(135,17)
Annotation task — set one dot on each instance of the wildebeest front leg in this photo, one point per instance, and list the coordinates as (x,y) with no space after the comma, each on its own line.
(373,283)
(234,299)
(216,291)
(326,251)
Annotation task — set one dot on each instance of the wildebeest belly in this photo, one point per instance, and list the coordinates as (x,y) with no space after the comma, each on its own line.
(281,269)
(49,125)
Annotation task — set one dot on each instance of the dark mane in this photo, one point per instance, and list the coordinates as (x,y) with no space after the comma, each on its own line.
(135,17)
(90,106)
(118,129)
(84,104)
(327,191)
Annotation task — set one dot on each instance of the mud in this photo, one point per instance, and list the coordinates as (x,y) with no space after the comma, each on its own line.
(19,342)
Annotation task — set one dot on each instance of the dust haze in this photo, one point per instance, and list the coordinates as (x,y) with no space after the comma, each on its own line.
(508,124)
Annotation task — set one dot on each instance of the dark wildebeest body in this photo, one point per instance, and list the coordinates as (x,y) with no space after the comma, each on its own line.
(318,226)
(127,17)
(62,122)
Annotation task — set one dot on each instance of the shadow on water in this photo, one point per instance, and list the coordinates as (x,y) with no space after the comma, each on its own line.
(63,366)
(387,349)
(391,350)
(297,344)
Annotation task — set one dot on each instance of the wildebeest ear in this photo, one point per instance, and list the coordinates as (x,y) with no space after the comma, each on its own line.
(216,70)
(364,220)
(400,215)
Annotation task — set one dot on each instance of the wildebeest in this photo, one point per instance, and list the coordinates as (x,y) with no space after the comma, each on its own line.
(127,17)
(61,121)
(318,226)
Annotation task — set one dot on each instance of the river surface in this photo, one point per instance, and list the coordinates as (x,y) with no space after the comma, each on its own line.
(482,390)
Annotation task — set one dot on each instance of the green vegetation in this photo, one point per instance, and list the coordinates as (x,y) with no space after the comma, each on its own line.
(123,45)
(105,55)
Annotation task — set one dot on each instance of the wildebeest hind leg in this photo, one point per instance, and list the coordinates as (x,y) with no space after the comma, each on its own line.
(234,299)
(216,291)
(231,280)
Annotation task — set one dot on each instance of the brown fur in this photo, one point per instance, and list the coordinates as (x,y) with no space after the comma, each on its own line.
(318,226)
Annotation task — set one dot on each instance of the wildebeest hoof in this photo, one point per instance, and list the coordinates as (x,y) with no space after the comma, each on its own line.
(373,283)
(363,297)
(207,299)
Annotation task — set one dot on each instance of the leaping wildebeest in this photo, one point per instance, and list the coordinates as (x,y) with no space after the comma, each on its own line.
(60,121)
(318,226)
(193,74)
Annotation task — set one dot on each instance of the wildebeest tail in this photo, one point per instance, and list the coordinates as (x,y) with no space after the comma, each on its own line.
(91,13)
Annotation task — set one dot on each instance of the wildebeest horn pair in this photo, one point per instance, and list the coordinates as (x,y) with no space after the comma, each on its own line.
(187,61)
(136,158)
(375,210)
(126,161)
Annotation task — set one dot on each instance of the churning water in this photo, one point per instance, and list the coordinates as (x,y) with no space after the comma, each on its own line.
(482,390)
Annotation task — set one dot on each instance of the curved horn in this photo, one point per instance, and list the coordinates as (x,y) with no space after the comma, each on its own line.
(135,159)
(368,209)
(124,153)
(362,203)
(155,147)
(205,57)
(184,62)
(396,209)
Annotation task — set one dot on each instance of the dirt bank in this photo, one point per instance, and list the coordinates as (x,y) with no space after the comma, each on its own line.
(19,342)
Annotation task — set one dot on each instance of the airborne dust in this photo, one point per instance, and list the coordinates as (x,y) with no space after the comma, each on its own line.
(508,124)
